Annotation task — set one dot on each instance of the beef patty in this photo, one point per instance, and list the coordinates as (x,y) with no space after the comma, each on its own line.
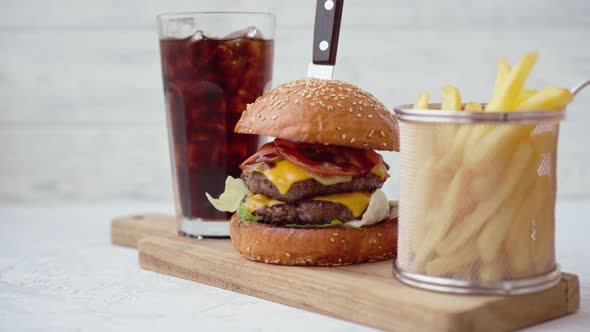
(304,213)
(259,184)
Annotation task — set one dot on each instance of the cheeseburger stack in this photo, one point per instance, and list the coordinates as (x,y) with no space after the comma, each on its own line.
(312,196)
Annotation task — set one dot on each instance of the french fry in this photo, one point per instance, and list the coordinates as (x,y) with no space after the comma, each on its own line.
(503,71)
(422,102)
(442,219)
(505,98)
(455,264)
(473,106)
(474,221)
(499,140)
(455,153)
(518,245)
(550,98)
(493,271)
(525,93)
(425,181)
(492,235)
(451,100)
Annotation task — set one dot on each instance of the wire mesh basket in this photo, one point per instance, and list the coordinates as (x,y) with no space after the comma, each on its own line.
(477,200)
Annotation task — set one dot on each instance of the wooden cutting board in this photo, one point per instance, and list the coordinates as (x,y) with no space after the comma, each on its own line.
(366,294)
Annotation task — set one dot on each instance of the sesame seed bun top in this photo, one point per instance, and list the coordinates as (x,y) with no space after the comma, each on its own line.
(322,111)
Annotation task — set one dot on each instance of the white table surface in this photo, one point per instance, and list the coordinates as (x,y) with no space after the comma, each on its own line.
(59,272)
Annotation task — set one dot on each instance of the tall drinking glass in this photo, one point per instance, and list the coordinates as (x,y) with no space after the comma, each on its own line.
(213,64)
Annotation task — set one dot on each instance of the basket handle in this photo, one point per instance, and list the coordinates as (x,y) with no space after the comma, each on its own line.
(580,87)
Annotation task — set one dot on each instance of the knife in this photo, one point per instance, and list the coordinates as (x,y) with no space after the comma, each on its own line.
(328,14)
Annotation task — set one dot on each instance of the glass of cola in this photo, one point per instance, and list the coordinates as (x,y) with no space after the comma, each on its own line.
(213,65)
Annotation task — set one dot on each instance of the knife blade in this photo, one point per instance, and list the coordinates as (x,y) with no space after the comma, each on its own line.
(328,15)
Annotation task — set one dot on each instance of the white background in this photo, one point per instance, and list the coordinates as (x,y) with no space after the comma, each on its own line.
(83,138)
(82,115)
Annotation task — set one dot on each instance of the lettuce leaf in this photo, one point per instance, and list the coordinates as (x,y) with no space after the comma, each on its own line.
(377,210)
(332,223)
(231,198)
(247,216)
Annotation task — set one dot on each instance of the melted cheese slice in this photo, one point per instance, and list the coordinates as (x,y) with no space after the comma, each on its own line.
(284,174)
(380,171)
(254,201)
(356,201)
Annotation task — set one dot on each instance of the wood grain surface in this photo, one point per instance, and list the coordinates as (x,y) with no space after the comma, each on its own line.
(366,294)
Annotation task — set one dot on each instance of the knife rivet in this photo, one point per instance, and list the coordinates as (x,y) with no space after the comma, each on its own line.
(323,45)
(329,5)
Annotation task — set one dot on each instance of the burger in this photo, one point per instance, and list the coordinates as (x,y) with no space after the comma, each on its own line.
(312,196)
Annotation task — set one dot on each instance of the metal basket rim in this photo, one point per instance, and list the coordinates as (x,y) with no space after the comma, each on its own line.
(502,287)
(434,115)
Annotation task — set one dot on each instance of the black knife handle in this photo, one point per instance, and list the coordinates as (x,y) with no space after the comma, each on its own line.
(328,14)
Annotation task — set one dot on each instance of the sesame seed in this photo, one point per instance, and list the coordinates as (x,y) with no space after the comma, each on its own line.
(370,134)
(274,117)
(312,104)
(330,108)
(344,137)
(257,242)
(287,254)
(339,104)
(382,133)
(353,103)
(359,115)
(338,128)
(352,140)
(248,248)
(384,144)
(322,103)
(296,101)
(379,235)
(335,234)
(342,241)
(370,116)
(258,115)
(331,239)
(366,144)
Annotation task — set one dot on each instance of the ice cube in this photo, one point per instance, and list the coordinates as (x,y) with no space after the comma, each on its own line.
(253,32)
(197,36)
(179,27)
(249,32)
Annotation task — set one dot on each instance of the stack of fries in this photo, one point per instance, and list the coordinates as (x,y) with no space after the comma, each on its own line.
(483,194)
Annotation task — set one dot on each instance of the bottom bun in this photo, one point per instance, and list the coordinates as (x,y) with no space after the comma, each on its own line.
(314,246)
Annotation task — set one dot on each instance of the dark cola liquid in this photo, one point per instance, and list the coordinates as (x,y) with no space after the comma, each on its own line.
(207,84)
